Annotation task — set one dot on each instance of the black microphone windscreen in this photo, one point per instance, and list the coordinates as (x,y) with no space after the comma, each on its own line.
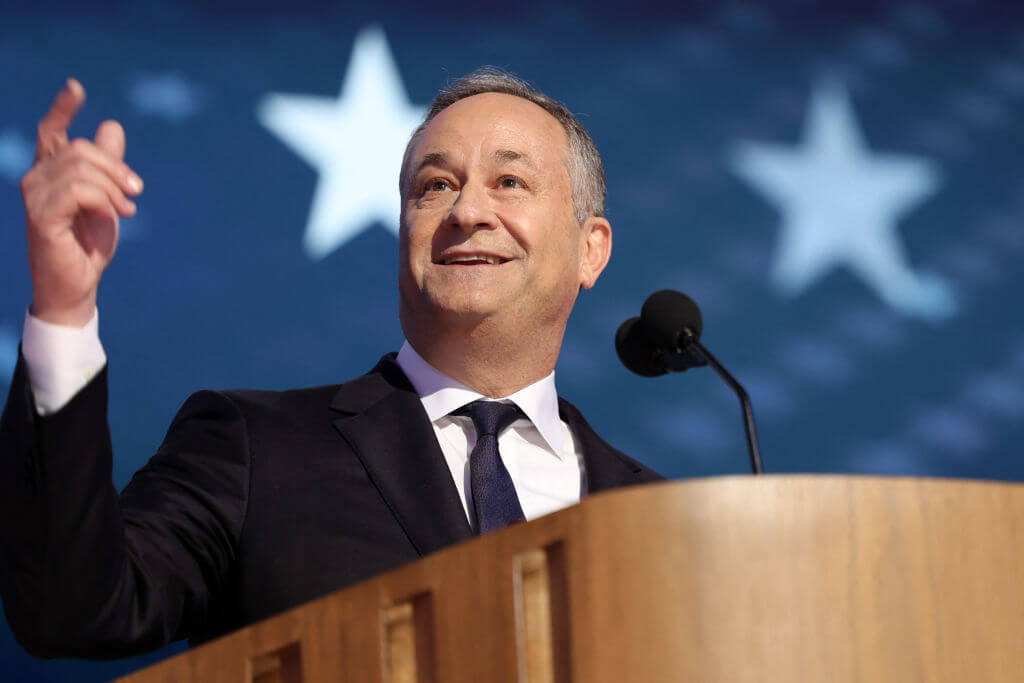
(665,315)
(637,350)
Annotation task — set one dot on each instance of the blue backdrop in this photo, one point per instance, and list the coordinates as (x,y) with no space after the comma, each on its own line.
(842,193)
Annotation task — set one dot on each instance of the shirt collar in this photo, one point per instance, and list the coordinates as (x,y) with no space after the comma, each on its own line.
(441,394)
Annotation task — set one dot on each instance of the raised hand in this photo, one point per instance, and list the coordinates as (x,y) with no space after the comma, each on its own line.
(74,194)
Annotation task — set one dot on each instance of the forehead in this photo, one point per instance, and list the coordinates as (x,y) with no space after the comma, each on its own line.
(484,123)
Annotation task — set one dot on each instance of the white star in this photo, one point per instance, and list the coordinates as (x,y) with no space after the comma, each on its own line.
(15,154)
(166,95)
(355,142)
(8,351)
(840,206)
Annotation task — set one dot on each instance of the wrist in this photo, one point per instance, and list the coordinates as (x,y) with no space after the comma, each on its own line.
(78,315)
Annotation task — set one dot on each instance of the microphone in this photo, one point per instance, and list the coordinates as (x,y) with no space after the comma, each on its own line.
(665,338)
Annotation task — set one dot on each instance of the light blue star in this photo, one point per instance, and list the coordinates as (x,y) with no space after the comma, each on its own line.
(355,142)
(840,204)
(8,352)
(15,154)
(168,96)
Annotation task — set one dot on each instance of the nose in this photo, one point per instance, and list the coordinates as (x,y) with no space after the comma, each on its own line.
(472,210)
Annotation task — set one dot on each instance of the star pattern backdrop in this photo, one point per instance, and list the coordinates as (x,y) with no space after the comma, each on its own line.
(843,194)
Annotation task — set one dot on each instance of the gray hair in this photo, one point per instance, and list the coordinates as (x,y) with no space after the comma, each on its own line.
(584,162)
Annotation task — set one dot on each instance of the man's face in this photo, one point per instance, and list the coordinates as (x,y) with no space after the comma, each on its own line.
(488,228)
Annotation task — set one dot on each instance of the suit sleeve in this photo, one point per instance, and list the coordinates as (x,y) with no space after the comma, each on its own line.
(87,573)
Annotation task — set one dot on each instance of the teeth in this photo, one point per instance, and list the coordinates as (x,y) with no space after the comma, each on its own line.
(493,260)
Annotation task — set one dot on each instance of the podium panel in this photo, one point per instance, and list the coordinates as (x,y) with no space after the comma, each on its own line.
(776,578)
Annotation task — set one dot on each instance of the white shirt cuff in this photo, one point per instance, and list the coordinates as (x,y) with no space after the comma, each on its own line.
(60,360)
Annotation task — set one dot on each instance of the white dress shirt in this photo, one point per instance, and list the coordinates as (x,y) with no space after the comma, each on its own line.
(60,360)
(541,454)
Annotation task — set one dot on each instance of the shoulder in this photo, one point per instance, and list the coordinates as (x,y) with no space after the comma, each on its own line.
(275,401)
(599,453)
(254,404)
(295,407)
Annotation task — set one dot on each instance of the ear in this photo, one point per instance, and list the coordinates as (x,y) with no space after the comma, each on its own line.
(595,249)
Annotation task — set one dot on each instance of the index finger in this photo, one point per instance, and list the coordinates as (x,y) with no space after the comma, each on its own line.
(53,128)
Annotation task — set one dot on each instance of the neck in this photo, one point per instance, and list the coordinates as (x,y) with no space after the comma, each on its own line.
(494,364)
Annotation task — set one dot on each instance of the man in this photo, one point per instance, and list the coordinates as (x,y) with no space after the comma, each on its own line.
(260,501)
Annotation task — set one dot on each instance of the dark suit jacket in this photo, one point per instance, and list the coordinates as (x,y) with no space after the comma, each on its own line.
(256,501)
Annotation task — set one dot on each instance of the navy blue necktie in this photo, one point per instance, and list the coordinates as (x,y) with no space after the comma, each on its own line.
(494,497)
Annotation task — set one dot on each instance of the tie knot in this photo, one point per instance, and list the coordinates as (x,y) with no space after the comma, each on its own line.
(490,417)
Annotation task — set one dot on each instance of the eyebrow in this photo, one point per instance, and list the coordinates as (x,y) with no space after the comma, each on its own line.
(510,155)
(431,159)
(503,155)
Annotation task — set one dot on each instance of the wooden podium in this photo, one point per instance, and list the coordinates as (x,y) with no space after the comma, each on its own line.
(781,578)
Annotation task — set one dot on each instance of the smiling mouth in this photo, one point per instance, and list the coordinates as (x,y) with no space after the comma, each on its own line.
(473,260)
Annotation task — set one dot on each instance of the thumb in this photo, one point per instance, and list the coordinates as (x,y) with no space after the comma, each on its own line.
(110,138)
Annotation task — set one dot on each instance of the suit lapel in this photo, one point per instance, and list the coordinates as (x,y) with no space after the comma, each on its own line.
(606,468)
(384,423)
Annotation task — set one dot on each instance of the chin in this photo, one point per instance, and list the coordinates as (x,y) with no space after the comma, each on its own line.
(466,314)
(463,312)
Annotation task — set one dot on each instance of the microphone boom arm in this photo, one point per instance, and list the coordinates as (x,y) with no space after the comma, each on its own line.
(691,353)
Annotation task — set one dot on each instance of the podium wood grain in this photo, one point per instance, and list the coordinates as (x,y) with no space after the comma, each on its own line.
(788,578)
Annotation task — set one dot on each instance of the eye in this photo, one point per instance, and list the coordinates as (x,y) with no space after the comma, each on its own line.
(511,182)
(436,185)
